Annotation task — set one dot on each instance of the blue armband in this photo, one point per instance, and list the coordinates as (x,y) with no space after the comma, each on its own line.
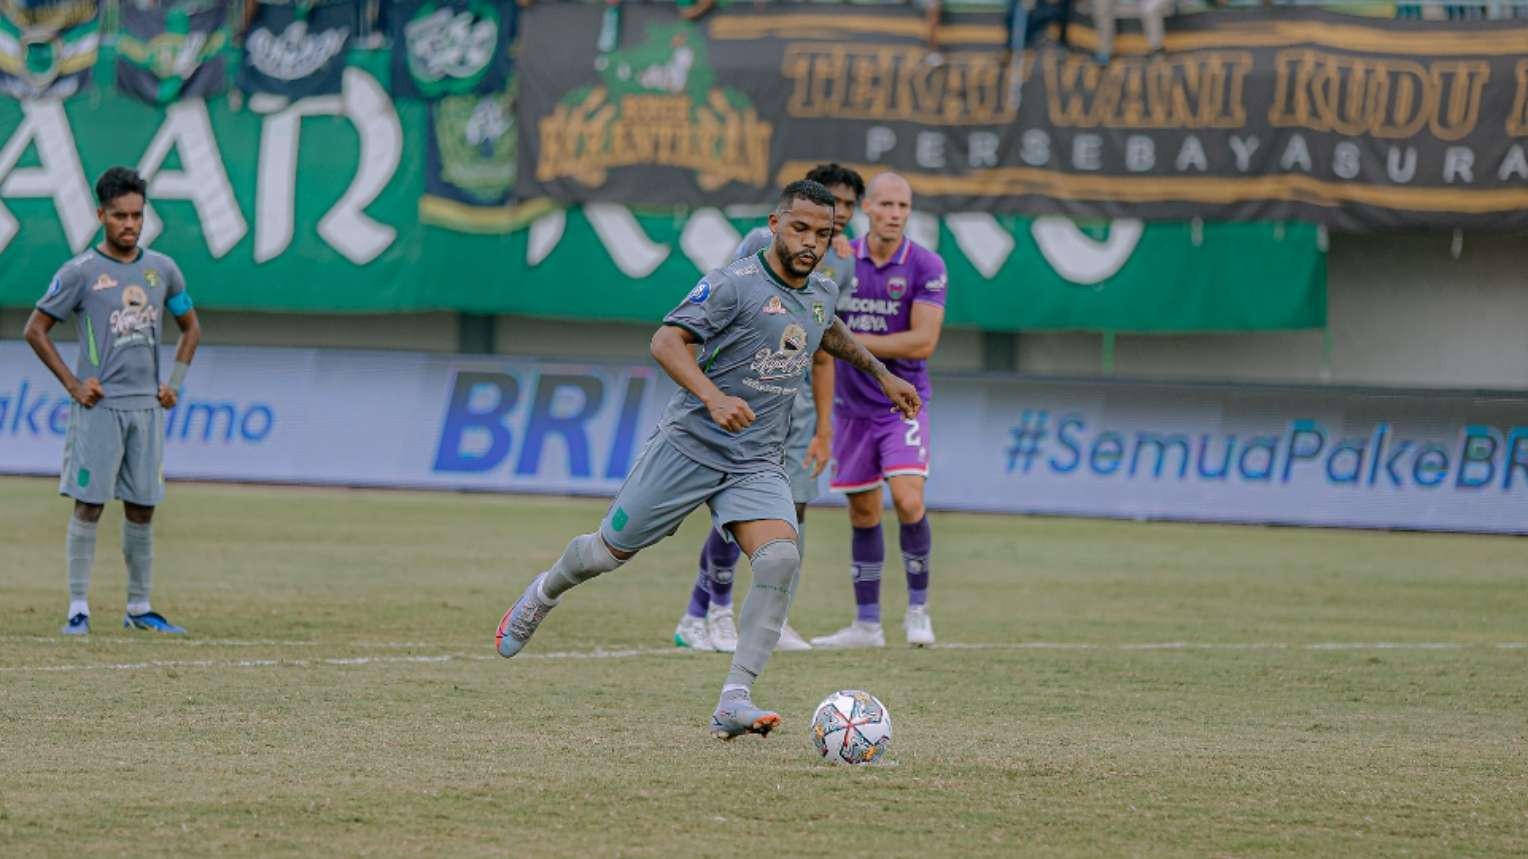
(178,305)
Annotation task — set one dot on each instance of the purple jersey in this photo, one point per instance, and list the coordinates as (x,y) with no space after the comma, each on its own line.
(882,303)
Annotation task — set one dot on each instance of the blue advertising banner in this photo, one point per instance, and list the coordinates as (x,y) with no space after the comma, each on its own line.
(1371,458)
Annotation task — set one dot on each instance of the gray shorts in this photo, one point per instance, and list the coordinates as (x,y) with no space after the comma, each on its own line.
(665,486)
(114,454)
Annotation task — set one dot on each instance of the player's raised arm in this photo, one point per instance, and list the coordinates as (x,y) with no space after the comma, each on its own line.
(671,349)
(839,342)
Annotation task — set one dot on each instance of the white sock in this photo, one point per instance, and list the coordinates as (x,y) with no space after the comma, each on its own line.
(138,608)
(79,607)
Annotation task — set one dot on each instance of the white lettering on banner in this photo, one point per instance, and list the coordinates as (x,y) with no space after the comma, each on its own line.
(45,127)
(982,149)
(346,227)
(982,239)
(879,140)
(1078,257)
(708,239)
(187,130)
(1514,164)
(545,233)
(1345,160)
(1034,147)
(1243,148)
(1192,156)
(630,249)
(1398,170)
(929,150)
(1140,153)
(1458,164)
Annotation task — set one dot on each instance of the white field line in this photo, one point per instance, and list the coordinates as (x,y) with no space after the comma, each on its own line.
(629,653)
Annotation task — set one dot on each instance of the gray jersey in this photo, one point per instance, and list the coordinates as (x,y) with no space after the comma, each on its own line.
(119,308)
(835,268)
(757,339)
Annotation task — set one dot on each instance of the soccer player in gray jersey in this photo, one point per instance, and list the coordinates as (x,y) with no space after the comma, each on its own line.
(759,323)
(707,623)
(114,448)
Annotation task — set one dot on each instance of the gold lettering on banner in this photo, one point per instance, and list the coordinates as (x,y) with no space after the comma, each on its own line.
(1192,91)
(890,82)
(721,142)
(1517,120)
(1384,97)
(1461,84)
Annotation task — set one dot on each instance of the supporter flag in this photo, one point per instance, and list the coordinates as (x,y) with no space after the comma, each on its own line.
(47,47)
(298,49)
(168,54)
(470,165)
(451,47)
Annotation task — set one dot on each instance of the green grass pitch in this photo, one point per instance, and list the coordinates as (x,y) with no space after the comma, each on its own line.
(1111,689)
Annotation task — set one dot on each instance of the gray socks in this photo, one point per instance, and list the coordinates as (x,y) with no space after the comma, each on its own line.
(585,558)
(79,548)
(776,566)
(138,551)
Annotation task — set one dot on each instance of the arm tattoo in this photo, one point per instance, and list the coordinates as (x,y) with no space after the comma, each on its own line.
(839,342)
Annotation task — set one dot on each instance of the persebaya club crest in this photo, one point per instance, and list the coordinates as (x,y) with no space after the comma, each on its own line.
(657,104)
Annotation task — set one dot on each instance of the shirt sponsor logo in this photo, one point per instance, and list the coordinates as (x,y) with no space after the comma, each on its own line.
(773,306)
(700,293)
(937,284)
(135,322)
(103,282)
(787,362)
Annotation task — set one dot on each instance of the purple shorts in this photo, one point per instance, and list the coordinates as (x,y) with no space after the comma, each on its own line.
(866,451)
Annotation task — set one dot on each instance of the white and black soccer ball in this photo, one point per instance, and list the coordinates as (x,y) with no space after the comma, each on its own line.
(851,727)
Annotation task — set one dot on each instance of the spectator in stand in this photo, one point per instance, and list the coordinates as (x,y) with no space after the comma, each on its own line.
(1153,13)
(1028,17)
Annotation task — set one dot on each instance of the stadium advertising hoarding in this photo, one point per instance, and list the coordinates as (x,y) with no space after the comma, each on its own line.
(1357,123)
(361,202)
(1311,456)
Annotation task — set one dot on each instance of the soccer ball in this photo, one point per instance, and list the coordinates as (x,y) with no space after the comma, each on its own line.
(851,727)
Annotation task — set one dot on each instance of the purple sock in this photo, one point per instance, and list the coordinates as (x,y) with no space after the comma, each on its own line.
(867,551)
(700,595)
(917,541)
(721,560)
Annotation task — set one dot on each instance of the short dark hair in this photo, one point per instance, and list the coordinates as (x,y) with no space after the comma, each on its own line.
(806,189)
(118,182)
(834,173)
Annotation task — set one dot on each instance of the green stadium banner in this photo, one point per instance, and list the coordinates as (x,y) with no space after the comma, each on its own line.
(317,208)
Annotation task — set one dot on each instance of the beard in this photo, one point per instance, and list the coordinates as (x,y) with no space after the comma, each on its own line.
(792,263)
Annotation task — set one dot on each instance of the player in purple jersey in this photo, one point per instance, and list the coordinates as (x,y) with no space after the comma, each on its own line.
(895,311)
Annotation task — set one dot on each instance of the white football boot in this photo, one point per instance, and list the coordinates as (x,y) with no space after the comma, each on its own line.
(919,626)
(691,634)
(722,628)
(791,640)
(856,634)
